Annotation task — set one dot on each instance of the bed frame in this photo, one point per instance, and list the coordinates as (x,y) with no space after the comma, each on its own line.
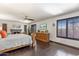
(17,47)
(13,48)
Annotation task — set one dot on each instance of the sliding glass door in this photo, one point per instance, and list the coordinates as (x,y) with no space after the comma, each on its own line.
(76,28)
(68,28)
(62,28)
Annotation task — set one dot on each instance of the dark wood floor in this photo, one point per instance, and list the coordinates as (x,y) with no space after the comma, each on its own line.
(44,49)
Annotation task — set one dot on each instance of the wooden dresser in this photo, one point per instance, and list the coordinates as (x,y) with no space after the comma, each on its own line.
(42,36)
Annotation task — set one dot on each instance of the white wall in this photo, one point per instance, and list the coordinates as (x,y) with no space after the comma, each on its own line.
(52,29)
(11,23)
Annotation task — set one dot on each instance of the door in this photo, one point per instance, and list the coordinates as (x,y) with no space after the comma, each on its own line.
(25,29)
(4,27)
(33,28)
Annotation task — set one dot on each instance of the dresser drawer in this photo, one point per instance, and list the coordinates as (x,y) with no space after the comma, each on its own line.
(42,37)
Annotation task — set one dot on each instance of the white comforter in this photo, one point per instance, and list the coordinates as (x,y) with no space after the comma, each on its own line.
(15,40)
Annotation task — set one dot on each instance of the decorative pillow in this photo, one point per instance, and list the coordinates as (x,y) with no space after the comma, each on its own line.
(3,34)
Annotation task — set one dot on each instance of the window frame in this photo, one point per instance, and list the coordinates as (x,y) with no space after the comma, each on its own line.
(66,28)
(57,29)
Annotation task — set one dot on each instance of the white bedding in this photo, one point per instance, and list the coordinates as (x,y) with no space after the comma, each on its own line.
(15,40)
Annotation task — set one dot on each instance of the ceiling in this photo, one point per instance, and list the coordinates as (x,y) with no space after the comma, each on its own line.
(40,11)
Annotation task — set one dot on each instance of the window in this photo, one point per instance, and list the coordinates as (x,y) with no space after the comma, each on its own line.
(62,28)
(76,28)
(68,28)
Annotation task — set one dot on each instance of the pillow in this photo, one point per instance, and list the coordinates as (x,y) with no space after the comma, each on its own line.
(3,34)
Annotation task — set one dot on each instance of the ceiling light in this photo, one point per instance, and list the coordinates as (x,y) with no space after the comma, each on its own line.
(25,21)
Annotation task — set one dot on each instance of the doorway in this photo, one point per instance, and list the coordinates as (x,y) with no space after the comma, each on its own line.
(33,28)
(4,27)
(25,29)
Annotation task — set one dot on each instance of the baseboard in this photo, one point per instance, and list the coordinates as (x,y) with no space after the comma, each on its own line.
(65,45)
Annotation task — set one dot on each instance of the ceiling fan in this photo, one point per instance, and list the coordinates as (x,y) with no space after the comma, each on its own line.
(29,19)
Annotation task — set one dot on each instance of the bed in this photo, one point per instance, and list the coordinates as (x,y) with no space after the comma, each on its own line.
(14,41)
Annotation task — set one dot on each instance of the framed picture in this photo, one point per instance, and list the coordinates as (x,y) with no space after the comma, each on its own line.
(16,26)
(43,26)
